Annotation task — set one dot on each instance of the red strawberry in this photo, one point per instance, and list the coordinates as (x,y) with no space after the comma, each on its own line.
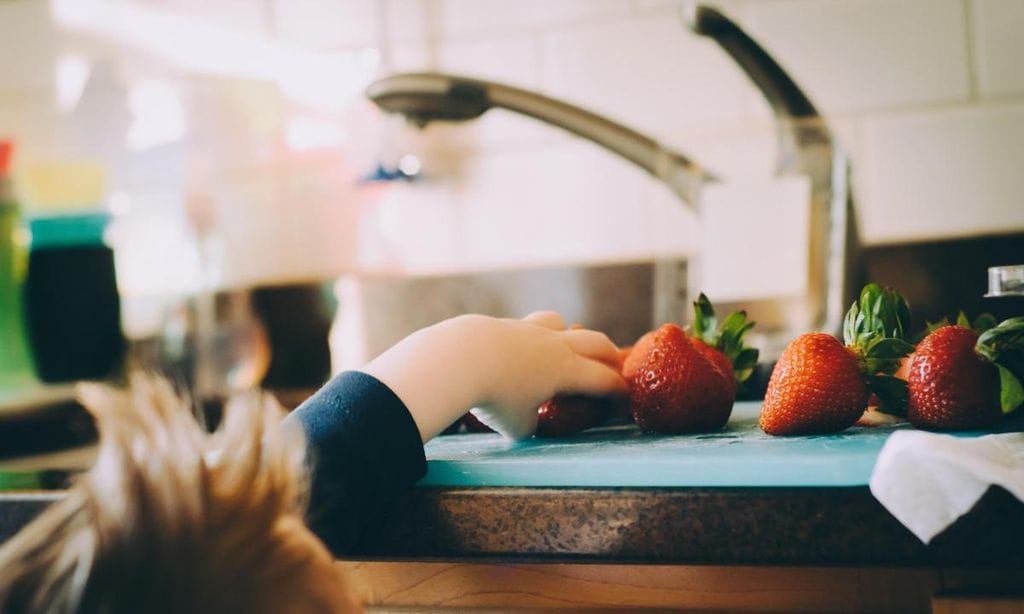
(635,359)
(957,379)
(817,387)
(624,355)
(718,359)
(820,385)
(677,389)
(567,414)
(472,424)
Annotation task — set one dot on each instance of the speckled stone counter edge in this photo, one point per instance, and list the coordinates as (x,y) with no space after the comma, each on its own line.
(741,526)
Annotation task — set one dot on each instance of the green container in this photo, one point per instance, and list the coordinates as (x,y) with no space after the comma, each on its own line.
(16,366)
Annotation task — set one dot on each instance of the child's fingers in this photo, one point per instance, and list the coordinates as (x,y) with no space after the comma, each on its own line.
(592,377)
(546,319)
(594,345)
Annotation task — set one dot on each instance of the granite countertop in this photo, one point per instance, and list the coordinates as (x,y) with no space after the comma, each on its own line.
(478,503)
(841,526)
(834,526)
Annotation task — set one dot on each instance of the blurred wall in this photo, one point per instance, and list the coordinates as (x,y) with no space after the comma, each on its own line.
(926,95)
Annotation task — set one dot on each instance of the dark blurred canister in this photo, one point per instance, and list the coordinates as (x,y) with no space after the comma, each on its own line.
(71,301)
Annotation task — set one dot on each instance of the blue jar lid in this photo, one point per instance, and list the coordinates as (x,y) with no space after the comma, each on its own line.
(68,230)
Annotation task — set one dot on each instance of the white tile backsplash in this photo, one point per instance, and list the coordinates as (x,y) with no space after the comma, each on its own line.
(407,20)
(235,15)
(647,6)
(999,46)
(943,173)
(865,54)
(409,56)
(657,77)
(462,17)
(327,24)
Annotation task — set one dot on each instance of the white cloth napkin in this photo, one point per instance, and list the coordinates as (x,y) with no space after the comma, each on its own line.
(927,480)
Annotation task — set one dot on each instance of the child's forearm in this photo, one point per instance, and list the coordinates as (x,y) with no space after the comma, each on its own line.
(505,367)
(435,372)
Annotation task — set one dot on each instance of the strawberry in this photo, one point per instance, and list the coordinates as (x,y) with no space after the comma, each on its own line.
(568,414)
(635,359)
(983,322)
(624,353)
(677,389)
(472,424)
(817,387)
(719,360)
(960,379)
(820,385)
(723,345)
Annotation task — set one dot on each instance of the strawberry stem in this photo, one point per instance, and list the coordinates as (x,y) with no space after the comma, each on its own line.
(727,338)
(892,392)
(876,329)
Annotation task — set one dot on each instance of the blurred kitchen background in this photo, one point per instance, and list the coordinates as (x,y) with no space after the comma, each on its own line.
(259,205)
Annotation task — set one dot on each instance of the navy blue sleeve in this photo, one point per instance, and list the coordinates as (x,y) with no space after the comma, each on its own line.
(364,451)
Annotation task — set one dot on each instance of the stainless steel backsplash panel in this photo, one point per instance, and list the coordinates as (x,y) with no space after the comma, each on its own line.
(617,299)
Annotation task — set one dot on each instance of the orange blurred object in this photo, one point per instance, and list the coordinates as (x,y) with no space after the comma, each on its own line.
(5,157)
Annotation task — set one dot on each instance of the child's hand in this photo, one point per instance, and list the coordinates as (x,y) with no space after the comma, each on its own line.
(503,367)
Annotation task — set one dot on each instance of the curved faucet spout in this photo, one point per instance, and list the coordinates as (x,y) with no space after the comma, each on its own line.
(425,97)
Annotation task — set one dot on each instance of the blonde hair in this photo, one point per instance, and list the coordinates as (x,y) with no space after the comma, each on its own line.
(173,519)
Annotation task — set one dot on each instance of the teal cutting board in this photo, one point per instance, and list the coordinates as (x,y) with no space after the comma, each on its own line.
(740,455)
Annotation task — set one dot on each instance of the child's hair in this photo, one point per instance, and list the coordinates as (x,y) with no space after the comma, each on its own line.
(172,519)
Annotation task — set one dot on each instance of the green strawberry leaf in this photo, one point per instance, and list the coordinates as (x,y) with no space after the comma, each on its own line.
(888,348)
(744,364)
(931,327)
(850,325)
(726,337)
(705,325)
(730,335)
(892,394)
(963,320)
(876,327)
(902,317)
(1011,393)
(1007,336)
(984,322)
(878,313)
(735,321)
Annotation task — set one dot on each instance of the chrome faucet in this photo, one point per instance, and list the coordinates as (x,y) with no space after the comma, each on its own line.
(426,97)
(805,146)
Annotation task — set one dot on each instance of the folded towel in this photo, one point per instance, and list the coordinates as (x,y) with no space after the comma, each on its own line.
(928,480)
